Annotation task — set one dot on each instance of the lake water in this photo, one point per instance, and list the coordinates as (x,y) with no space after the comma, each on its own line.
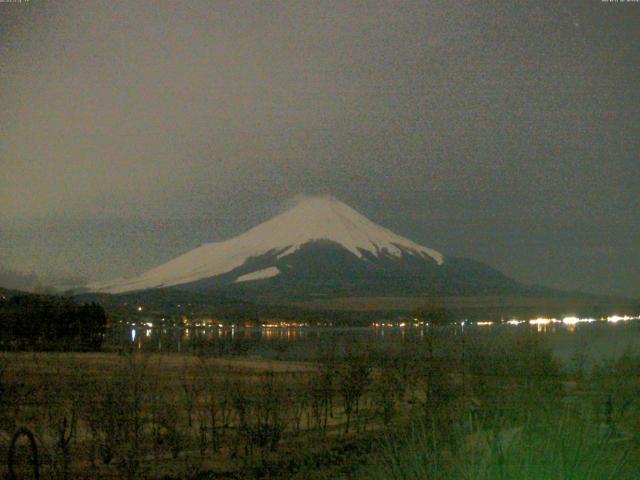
(591,341)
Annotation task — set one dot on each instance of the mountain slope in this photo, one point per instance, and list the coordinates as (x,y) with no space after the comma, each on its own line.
(313,219)
(320,247)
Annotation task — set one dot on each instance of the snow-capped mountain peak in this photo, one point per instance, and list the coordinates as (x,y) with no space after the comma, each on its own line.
(318,218)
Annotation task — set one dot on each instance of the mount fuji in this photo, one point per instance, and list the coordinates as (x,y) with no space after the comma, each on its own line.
(323,247)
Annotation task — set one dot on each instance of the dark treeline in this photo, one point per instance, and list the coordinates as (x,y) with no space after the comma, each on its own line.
(44,322)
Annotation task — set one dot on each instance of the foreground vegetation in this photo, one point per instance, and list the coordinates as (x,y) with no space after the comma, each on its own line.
(524,422)
(442,406)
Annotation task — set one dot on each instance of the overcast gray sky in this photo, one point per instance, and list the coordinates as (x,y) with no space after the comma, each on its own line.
(131,132)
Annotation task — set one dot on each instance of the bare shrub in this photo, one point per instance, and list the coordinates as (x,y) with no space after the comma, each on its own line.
(354,378)
(62,410)
(387,391)
(114,414)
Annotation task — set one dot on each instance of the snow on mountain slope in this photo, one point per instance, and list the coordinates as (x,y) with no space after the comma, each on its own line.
(311,219)
(259,274)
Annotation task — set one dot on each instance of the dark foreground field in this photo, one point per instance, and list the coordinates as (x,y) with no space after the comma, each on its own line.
(445,406)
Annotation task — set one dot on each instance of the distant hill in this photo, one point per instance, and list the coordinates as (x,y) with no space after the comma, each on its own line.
(7,293)
(487,306)
(10,279)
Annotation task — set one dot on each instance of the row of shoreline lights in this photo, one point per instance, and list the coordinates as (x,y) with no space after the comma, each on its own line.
(569,320)
(536,321)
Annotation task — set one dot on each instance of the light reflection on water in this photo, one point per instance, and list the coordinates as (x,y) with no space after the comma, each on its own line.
(599,339)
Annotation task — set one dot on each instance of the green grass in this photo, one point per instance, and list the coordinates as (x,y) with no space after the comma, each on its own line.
(564,444)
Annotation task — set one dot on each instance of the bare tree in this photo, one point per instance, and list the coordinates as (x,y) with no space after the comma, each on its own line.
(354,378)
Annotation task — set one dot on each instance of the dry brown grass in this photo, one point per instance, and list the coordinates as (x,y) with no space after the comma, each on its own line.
(262,411)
